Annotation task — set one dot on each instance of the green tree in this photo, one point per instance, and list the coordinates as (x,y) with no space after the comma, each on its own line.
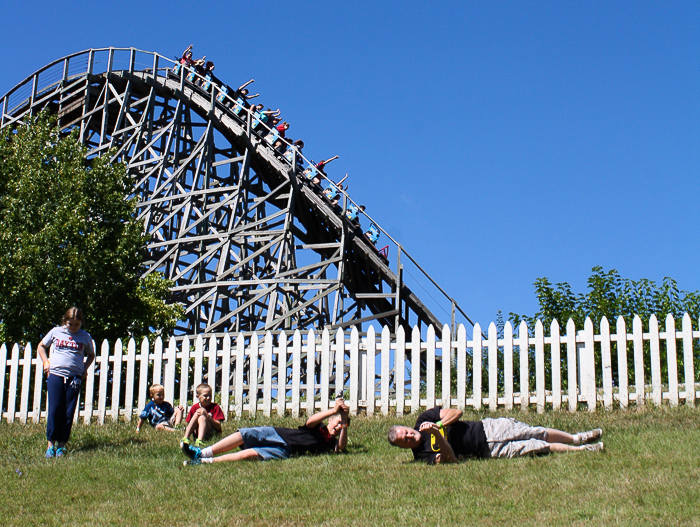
(69,237)
(609,295)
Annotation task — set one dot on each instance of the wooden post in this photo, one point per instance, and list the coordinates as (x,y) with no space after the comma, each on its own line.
(339,363)
(158,360)
(212,355)
(415,369)
(476,374)
(89,390)
(622,375)
(169,377)
(385,350)
(130,381)
(12,396)
(637,340)
(672,361)
(461,367)
(539,367)
(555,348)
(184,372)
(296,372)
(240,365)
(656,394)
(199,363)
(430,367)
(267,374)
(606,363)
(354,367)
(688,365)
(446,356)
(282,374)
(400,371)
(226,374)
(586,358)
(3,368)
(116,379)
(38,383)
(492,345)
(253,353)
(26,373)
(371,368)
(310,372)
(570,340)
(104,373)
(325,368)
(508,365)
(524,348)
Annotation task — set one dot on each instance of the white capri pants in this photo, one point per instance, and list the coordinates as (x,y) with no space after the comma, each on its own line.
(509,437)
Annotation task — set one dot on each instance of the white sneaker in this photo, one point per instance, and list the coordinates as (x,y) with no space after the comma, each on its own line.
(596,447)
(587,437)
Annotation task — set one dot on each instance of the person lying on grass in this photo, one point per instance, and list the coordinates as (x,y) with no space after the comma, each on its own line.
(264,443)
(440,437)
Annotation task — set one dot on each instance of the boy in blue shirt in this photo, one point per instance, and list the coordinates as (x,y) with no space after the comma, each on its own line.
(160,413)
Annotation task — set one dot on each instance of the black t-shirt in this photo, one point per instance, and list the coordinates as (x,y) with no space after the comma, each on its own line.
(312,440)
(467,438)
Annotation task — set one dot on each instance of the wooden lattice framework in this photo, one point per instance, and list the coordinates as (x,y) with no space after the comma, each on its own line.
(249,245)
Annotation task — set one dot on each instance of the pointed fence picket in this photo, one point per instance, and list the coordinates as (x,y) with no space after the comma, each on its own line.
(380,372)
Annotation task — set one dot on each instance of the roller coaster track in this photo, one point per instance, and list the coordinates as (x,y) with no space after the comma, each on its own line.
(249,244)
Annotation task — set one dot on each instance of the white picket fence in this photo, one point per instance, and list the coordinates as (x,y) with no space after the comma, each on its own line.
(266,373)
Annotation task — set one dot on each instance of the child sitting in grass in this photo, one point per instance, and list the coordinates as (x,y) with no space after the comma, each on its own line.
(204,418)
(159,413)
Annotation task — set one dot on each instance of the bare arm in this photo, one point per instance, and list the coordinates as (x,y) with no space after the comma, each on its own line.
(342,439)
(319,417)
(215,424)
(446,454)
(246,84)
(139,424)
(90,359)
(449,415)
(41,351)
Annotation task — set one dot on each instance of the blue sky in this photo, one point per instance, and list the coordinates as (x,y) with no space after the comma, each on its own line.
(498,142)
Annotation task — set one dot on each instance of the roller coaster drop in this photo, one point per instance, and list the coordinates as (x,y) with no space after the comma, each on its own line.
(249,244)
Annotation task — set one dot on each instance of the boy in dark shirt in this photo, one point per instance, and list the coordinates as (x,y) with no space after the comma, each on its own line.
(439,437)
(266,442)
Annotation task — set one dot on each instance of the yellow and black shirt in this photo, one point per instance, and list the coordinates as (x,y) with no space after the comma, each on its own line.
(467,438)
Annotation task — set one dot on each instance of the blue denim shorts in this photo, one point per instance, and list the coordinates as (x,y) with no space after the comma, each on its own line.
(266,442)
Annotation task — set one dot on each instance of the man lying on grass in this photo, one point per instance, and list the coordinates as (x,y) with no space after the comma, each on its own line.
(439,437)
(266,442)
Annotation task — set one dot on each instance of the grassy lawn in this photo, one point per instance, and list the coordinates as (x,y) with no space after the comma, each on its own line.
(649,474)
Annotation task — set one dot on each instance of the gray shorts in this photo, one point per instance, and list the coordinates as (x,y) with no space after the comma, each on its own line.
(508,437)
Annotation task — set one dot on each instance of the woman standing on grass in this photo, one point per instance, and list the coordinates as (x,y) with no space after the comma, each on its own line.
(65,373)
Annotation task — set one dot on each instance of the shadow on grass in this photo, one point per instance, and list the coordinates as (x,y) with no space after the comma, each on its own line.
(88,442)
(357,448)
